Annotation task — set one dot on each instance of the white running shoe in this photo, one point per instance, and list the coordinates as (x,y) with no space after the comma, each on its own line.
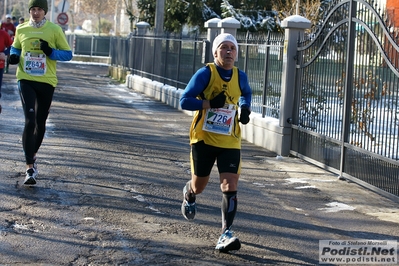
(30,178)
(228,242)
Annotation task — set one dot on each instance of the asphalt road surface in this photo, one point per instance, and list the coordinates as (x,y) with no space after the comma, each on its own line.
(111,171)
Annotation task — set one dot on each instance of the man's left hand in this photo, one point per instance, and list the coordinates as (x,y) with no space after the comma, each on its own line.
(45,48)
(244,116)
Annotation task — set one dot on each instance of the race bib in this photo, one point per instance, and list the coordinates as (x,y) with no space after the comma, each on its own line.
(35,64)
(220,120)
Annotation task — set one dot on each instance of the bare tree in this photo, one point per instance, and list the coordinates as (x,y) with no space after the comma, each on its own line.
(98,8)
(309,9)
(131,11)
(17,8)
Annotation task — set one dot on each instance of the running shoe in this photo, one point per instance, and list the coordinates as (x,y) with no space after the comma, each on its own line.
(228,242)
(188,209)
(30,178)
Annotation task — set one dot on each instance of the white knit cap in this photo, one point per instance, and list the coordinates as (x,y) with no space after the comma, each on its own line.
(224,37)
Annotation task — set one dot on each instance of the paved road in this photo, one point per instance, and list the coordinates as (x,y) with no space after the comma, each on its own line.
(111,171)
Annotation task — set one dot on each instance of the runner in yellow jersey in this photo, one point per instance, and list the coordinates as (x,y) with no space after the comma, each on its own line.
(220,95)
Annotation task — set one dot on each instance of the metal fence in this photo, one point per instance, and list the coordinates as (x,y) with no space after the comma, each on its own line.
(89,45)
(174,61)
(347,114)
(260,57)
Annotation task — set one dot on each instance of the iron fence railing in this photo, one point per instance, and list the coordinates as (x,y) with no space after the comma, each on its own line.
(174,61)
(347,116)
(90,45)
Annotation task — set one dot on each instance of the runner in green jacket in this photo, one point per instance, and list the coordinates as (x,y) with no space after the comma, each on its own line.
(37,46)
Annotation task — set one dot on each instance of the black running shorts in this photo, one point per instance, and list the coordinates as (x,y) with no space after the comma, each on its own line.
(203,158)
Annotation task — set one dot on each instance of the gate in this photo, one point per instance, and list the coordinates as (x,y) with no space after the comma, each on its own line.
(346,115)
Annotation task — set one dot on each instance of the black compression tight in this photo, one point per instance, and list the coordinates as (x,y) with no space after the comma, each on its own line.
(36,98)
(229,209)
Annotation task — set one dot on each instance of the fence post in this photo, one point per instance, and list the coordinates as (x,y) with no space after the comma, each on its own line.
(216,26)
(294,30)
(142,28)
(212,32)
(229,25)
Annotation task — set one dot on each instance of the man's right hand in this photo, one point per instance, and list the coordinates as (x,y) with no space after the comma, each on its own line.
(218,101)
(14,59)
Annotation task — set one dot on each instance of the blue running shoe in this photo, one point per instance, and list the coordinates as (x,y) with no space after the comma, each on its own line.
(188,209)
(228,242)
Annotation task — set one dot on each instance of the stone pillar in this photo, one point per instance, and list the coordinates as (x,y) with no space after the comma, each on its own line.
(212,28)
(229,25)
(142,28)
(216,26)
(294,29)
(212,32)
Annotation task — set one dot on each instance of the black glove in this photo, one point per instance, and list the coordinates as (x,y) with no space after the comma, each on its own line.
(13,59)
(244,116)
(218,101)
(45,48)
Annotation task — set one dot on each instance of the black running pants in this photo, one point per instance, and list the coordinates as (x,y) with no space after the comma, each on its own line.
(36,98)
